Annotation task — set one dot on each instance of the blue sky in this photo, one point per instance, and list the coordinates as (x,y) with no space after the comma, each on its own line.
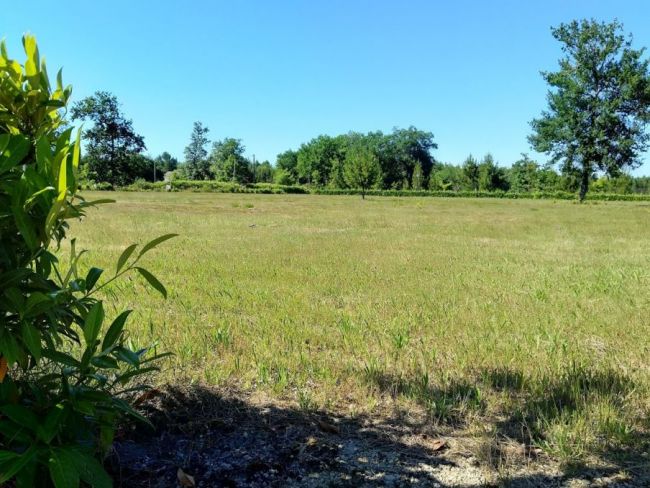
(277,73)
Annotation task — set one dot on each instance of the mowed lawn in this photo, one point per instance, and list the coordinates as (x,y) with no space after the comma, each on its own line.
(528,318)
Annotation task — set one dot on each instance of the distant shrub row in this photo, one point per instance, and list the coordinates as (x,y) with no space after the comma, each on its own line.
(547,195)
(271,188)
(202,186)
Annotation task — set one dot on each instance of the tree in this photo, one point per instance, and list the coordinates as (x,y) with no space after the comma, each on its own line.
(524,175)
(112,143)
(490,176)
(598,104)
(401,151)
(361,169)
(263,173)
(286,164)
(471,172)
(197,166)
(418,177)
(315,159)
(229,163)
(165,162)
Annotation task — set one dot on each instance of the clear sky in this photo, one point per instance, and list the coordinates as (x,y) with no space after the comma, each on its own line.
(277,73)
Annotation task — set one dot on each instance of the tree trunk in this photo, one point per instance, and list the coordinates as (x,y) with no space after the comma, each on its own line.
(584,184)
(363,193)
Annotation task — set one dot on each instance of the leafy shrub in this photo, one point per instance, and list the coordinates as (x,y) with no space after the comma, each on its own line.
(64,368)
(272,188)
(228,187)
(103,185)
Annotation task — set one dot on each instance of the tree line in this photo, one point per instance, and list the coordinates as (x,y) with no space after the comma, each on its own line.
(594,131)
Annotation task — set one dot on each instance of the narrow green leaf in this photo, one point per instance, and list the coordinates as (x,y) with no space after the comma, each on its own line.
(92,277)
(26,227)
(10,469)
(48,429)
(32,339)
(34,300)
(126,377)
(153,281)
(32,199)
(63,180)
(10,348)
(8,456)
(92,472)
(124,257)
(104,362)
(76,153)
(21,415)
(63,468)
(14,153)
(4,142)
(158,240)
(61,357)
(92,203)
(114,331)
(93,323)
(128,356)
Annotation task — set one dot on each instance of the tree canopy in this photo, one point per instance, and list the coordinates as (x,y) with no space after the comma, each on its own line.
(113,148)
(598,103)
(361,169)
(197,166)
(228,162)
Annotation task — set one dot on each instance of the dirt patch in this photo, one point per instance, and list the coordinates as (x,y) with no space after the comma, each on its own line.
(227,439)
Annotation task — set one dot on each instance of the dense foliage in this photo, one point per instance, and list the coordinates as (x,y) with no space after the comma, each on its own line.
(65,368)
(197,166)
(114,151)
(599,103)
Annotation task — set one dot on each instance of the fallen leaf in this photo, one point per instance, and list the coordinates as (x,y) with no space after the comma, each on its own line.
(185,479)
(438,444)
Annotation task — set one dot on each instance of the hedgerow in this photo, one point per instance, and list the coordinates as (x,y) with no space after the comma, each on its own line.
(271,188)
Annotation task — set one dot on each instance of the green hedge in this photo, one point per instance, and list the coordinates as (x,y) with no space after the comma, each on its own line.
(271,188)
(215,186)
(547,195)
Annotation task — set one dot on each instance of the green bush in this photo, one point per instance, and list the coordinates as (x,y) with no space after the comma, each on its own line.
(228,187)
(64,368)
(272,188)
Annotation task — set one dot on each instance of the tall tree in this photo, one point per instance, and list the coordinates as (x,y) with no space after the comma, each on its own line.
(315,159)
(490,176)
(263,173)
(197,166)
(361,169)
(471,172)
(405,148)
(286,167)
(229,163)
(112,144)
(523,175)
(598,104)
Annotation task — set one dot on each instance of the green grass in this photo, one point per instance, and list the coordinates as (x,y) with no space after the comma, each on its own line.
(529,317)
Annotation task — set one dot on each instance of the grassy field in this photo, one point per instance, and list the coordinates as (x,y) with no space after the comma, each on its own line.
(527,320)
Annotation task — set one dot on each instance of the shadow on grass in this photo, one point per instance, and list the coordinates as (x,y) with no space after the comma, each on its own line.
(577,415)
(230,441)
(449,403)
(590,421)
(226,439)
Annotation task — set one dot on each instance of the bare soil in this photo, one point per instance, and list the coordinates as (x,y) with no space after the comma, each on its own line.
(224,438)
